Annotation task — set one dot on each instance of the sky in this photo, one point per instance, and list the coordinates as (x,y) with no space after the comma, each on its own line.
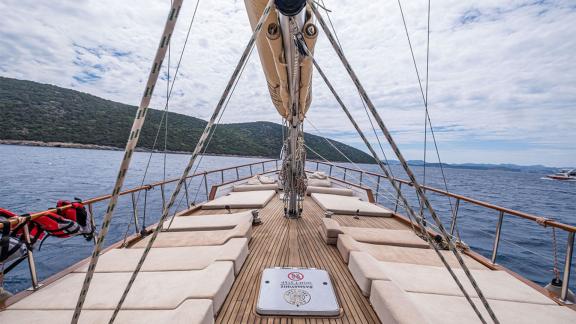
(502,73)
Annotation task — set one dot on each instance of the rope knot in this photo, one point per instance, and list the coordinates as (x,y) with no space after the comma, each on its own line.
(543,221)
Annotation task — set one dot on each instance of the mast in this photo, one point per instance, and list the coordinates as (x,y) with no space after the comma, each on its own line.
(291,16)
(288,71)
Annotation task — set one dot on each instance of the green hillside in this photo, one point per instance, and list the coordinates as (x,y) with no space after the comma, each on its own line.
(39,112)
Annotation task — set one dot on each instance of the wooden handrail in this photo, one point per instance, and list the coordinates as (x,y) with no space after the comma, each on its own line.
(538,219)
(15,221)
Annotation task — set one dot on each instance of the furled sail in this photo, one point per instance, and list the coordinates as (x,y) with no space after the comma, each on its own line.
(271,48)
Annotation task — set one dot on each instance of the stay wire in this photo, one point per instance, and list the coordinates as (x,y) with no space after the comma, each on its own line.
(323,6)
(164,114)
(425,94)
(210,139)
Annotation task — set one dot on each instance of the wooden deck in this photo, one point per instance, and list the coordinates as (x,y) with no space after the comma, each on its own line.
(280,242)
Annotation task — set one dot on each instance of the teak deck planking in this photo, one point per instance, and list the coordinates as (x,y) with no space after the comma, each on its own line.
(280,242)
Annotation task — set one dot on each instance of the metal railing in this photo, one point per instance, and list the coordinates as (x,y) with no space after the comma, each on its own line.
(260,167)
(570,230)
(254,168)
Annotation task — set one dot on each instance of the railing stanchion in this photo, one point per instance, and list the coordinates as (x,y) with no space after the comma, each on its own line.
(276,164)
(345,170)
(567,267)
(317,165)
(251,173)
(186,194)
(397,197)
(206,187)
(31,262)
(330,172)
(377,188)
(263,168)
(222,176)
(497,237)
(163,196)
(454,216)
(135,213)
(237,174)
(361,174)
(92,221)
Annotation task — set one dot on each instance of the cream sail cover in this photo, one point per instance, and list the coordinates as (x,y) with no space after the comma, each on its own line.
(271,51)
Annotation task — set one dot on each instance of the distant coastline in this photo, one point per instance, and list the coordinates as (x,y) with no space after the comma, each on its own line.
(59,144)
(414,163)
(107,148)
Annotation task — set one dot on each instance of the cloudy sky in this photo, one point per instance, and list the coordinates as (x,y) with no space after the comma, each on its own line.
(502,72)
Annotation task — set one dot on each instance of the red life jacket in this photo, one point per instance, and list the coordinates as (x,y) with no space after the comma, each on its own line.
(36,233)
(65,223)
(12,248)
(78,214)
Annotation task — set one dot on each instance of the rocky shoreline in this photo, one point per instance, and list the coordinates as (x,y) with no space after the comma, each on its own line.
(108,148)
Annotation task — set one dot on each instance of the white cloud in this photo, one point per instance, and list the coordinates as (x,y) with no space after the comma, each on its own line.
(502,73)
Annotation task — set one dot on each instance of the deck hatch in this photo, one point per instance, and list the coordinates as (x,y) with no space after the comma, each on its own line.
(297,291)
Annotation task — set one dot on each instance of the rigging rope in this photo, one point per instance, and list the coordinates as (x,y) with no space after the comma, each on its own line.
(199,147)
(388,195)
(390,198)
(412,177)
(425,94)
(323,6)
(128,152)
(411,212)
(164,114)
(210,140)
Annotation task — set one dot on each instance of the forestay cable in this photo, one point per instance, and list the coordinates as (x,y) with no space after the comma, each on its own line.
(197,150)
(409,172)
(130,146)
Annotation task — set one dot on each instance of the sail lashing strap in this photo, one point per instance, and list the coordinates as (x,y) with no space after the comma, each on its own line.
(129,150)
(407,169)
(195,154)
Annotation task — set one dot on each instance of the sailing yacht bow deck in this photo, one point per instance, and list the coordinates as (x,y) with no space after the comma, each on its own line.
(210,263)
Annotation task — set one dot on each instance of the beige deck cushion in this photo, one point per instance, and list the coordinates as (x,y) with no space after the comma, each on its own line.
(331,191)
(209,222)
(151,290)
(191,311)
(497,285)
(393,305)
(405,238)
(197,238)
(264,179)
(365,269)
(319,182)
(175,258)
(317,175)
(349,241)
(418,256)
(349,205)
(402,254)
(241,200)
(442,309)
(347,244)
(248,187)
(330,230)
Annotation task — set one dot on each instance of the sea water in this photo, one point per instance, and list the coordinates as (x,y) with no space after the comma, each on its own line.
(33,178)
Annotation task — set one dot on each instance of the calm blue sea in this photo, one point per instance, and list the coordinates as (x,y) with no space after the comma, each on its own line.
(34,178)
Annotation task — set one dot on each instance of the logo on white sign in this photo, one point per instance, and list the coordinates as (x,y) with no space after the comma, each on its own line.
(297,297)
